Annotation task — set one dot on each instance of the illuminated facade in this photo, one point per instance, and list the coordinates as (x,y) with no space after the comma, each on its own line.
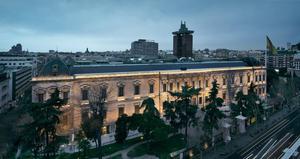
(128,85)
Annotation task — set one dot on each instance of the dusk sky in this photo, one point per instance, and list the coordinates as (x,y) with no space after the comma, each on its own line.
(100,25)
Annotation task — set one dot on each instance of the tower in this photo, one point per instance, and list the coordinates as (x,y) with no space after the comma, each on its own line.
(183,42)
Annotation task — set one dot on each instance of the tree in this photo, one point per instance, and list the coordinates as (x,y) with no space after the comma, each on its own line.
(121,129)
(240,106)
(97,102)
(83,144)
(149,123)
(42,130)
(212,112)
(181,113)
(253,103)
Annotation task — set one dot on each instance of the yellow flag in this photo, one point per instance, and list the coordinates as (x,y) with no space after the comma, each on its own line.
(270,47)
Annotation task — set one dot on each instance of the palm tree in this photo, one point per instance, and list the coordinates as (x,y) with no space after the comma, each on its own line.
(212,113)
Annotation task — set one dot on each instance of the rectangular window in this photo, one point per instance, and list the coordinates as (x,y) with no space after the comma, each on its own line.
(85,94)
(264,77)
(151,88)
(224,95)
(105,130)
(171,86)
(178,86)
(224,81)
(136,89)
(193,84)
(121,91)
(206,83)
(40,98)
(136,109)
(164,87)
(65,95)
(200,100)
(121,111)
(232,80)
(256,78)
(241,79)
(249,78)
(259,77)
(185,83)
(199,84)
(206,99)
(103,93)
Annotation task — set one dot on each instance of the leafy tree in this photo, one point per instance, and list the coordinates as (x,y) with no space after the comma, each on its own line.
(149,123)
(181,113)
(83,144)
(121,129)
(90,128)
(40,134)
(250,61)
(97,102)
(240,105)
(254,104)
(212,112)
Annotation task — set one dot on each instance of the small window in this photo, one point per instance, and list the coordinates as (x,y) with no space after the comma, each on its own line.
(121,91)
(199,84)
(40,98)
(65,95)
(256,78)
(121,111)
(164,87)
(249,78)
(206,99)
(178,86)
(85,94)
(200,100)
(105,130)
(241,79)
(206,83)
(224,95)
(224,81)
(264,77)
(193,84)
(136,109)
(103,92)
(171,86)
(136,89)
(185,83)
(151,88)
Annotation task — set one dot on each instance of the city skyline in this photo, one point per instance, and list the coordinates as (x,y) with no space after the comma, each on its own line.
(105,25)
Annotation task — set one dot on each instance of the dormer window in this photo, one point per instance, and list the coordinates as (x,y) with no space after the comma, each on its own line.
(54,69)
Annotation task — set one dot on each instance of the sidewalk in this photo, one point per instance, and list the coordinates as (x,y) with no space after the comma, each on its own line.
(242,140)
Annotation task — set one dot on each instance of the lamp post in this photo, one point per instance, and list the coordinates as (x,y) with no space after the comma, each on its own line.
(256,112)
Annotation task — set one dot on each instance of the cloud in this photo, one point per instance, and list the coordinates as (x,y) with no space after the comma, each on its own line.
(41,25)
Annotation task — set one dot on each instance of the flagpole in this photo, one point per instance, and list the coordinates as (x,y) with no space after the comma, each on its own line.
(266,74)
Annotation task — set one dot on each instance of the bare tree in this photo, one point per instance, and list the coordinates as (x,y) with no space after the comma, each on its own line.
(97,102)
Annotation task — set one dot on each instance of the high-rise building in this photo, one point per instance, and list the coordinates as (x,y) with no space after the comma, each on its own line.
(144,47)
(183,42)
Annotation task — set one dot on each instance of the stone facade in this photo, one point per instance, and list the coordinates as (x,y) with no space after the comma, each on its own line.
(138,86)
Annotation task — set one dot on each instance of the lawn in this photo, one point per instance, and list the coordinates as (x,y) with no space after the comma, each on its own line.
(106,150)
(159,149)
